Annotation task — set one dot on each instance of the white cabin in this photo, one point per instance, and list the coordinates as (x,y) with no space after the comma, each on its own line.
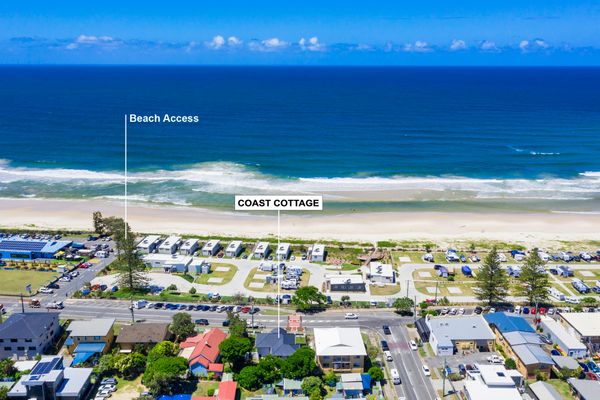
(148,244)
(317,253)
(189,247)
(234,249)
(261,250)
(170,245)
(211,248)
(283,251)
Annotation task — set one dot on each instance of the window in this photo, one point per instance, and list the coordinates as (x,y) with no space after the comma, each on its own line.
(28,340)
(14,340)
(20,348)
(7,348)
(31,348)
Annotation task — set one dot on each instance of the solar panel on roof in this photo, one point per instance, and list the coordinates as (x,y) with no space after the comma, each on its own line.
(42,368)
(25,245)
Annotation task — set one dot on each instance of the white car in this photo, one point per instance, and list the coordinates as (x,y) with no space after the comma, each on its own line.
(413,345)
(74,274)
(104,393)
(461,311)
(109,387)
(65,279)
(46,290)
(495,359)
(426,370)
(388,355)
(351,316)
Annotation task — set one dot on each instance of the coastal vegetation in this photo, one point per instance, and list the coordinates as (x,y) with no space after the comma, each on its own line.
(492,284)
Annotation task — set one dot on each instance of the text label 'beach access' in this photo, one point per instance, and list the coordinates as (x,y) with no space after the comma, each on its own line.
(281,203)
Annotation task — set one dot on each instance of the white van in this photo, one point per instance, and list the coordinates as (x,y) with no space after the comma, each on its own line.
(139,304)
(556,294)
(388,355)
(395,376)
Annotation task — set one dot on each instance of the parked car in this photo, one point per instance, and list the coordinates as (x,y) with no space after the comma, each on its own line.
(46,290)
(388,355)
(426,370)
(495,359)
(384,345)
(351,316)
(386,330)
(202,322)
(413,345)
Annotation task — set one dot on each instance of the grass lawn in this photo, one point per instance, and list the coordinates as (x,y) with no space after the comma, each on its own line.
(385,290)
(466,289)
(14,281)
(226,275)
(458,275)
(562,387)
(204,386)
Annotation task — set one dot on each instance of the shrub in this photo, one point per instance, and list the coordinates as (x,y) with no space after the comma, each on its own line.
(210,392)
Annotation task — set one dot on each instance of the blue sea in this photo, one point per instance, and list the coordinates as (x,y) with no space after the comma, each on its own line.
(368,138)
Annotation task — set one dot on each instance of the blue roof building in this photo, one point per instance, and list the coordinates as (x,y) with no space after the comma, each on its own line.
(504,322)
(29,249)
(276,343)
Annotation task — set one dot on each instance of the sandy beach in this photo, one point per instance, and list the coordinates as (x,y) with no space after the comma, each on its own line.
(537,229)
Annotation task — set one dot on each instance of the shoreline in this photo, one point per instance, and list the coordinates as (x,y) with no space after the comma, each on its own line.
(532,228)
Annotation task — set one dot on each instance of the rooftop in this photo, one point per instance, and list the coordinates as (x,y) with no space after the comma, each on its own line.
(344,279)
(31,245)
(27,325)
(531,354)
(148,240)
(588,389)
(587,324)
(379,269)
(168,258)
(188,244)
(565,362)
(493,382)
(234,245)
(93,327)
(204,347)
(279,345)
(471,327)
(318,249)
(170,241)
(211,244)
(508,323)
(544,390)
(515,338)
(150,332)
(558,331)
(339,342)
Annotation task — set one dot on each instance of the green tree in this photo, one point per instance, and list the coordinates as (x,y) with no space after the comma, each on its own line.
(4,393)
(376,374)
(182,325)
(330,378)
(162,349)
(311,384)
(308,297)
(234,350)
(269,369)
(509,363)
(7,368)
(248,378)
(192,290)
(130,365)
(533,283)
(491,280)
(98,221)
(130,268)
(300,364)
(404,305)
(237,326)
(315,395)
(345,301)
(105,365)
(164,374)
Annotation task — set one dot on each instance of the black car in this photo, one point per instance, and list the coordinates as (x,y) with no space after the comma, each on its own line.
(226,322)
(202,321)
(386,330)
(205,307)
(478,310)
(53,286)
(384,345)
(254,310)
(198,307)
(191,307)
(158,305)
(230,308)
(213,308)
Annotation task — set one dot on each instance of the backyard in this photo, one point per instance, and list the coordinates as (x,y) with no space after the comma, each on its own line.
(13,281)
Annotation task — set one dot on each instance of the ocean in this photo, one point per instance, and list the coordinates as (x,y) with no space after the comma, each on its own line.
(369,138)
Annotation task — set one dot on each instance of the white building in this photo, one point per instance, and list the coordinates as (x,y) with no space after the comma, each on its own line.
(234,249)
(189,247)
(211,248)
(148,244)
(199,266)
(383,273)
(559,336)
(170,245)
(468,332)
(317,253)
(340,349)
(493,382)
(283,251)
(345,283)
(168,262)
(261,250)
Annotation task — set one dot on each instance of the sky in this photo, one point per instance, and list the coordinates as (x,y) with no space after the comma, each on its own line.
(326,32)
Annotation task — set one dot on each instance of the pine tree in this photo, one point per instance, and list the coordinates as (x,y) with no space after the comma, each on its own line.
(491,280)
(533,282)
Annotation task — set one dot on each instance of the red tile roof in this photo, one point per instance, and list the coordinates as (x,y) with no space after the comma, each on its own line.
(206,347)
(227,390)
(212,367)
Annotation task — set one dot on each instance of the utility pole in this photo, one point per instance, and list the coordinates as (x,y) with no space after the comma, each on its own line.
(415,308)
(444,378)
(407,283)
(22,304)
(436,292)
(132,312)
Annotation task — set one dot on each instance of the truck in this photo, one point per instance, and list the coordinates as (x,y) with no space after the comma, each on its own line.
(55,305)
(495,359)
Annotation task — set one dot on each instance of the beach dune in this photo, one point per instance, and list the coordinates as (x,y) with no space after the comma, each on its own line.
(533,229)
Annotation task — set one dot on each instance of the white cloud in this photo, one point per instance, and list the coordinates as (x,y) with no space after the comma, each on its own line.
(90,40)
(312,44)
(418,47)
(523,45)
(216,43)
(458,44)
(541,43)
(533,45)
(274,43)
(488,45)
(234,41)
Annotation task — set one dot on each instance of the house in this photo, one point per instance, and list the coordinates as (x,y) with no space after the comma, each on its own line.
(469,332)
(227,390)
(294,324)
(565,363)
(543,391)
(24,336)
(234,249)
(148,244)
(89,338)
(354,385)
(382,273)
(50,380)
(275,397)
(199,266)
(202,352)
(145,334)
(584,389)
(340,349)
(317,253)
(261,250)
(29,249)
(170,245)
(521,343)
(167,262)
(189,247)
(563,339)
(585,327)
(283,251)
(291,387)
(278,343)
(492,382)
(211,248)
(345,283)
